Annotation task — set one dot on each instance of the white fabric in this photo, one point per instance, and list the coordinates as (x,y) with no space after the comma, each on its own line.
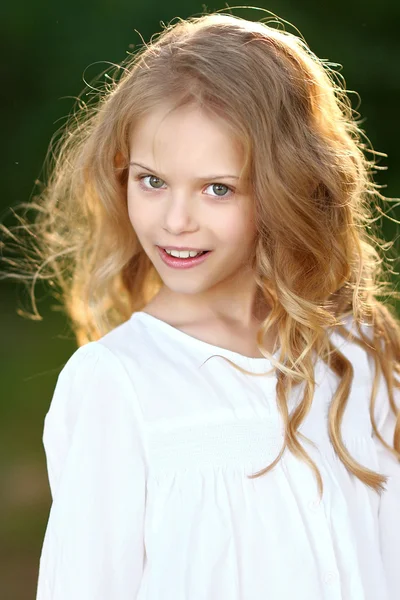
(148,448)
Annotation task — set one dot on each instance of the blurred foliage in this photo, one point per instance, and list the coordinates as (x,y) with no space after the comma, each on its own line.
(48,50)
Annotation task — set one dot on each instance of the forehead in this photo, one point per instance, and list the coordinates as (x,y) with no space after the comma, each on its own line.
(187,134)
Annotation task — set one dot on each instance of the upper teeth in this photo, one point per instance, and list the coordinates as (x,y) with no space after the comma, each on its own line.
(183,253)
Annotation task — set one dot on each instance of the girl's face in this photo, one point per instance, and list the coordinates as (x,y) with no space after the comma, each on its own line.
(182,196)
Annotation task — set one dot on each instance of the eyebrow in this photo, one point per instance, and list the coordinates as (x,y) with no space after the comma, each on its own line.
(206,178)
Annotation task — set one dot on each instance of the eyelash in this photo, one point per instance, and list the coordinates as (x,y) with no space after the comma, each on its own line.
(143,176)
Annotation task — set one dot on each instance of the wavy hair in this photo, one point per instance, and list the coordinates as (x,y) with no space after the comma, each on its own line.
(316,255)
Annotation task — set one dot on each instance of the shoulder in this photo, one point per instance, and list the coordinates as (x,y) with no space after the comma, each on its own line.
(85,361)
(134,342)
(93,410)
(93,380)
(123,352)
(365,369)
(347,343)
(353,328)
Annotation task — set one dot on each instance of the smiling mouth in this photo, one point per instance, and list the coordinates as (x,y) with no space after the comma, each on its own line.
(181,262)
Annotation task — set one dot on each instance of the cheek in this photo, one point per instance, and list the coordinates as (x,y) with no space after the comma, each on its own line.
(237,229)
(132,212)
(138,215)
(129,202)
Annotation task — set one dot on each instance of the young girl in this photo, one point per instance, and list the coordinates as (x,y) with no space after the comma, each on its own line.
(228,428)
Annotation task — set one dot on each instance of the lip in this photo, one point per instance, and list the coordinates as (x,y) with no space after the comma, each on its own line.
(181,248)
(181,263)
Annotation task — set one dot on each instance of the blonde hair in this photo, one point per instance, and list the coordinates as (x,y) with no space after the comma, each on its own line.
(315,256)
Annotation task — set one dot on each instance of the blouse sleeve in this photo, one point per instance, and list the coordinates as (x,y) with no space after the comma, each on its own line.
(389,503)
(93,546)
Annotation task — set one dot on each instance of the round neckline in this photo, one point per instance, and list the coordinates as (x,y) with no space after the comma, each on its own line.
(257,363)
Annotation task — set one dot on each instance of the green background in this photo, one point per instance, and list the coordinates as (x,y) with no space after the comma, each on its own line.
(48,51)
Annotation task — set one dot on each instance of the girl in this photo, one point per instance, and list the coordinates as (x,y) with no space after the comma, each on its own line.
(216,204)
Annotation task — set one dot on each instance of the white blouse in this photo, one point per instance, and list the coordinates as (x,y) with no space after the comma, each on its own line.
(148,450)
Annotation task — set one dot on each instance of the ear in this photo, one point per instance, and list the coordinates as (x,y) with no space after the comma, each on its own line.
(121,168)
(119,160)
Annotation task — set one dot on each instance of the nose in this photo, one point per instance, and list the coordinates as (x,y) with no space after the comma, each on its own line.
(180,214)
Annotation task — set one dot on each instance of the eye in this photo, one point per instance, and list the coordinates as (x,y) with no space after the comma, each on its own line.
(219,187)
(224,187)
(152,177)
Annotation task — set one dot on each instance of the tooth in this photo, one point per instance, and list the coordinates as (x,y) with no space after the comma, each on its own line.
(183,253)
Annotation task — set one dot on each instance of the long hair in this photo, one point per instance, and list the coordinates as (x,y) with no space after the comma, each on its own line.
(316,257)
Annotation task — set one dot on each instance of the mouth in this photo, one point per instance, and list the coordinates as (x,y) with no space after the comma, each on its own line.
(176,262)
